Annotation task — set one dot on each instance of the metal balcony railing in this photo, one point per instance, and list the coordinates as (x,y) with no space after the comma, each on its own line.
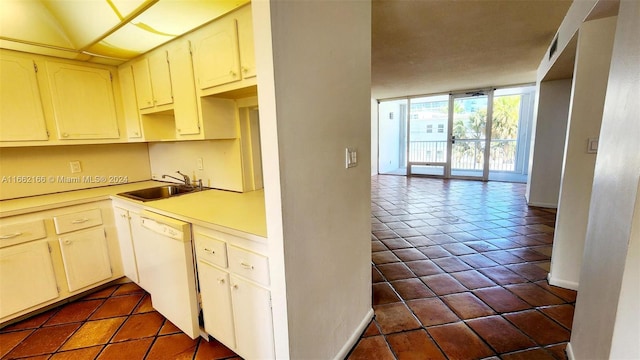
(466,154)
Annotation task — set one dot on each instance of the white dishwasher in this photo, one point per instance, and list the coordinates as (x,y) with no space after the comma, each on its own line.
(166,269)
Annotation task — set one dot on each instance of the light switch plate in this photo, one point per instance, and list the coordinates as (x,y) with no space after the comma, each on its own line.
(592,147)
(351,157)
(75,167)
(200,164)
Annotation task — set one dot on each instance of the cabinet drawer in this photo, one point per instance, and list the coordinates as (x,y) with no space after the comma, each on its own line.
(76,221)
(211,250)
(249,264)
(12,234)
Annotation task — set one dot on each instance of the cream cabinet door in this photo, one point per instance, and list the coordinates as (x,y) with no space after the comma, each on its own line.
(83,102)
(21,113)
(185,107)
(129,103)
(216,303)
(216,58)
(85,256)
(122,220)
(28,278)
(253,319)
(160,78)
(245,40)
(142,81)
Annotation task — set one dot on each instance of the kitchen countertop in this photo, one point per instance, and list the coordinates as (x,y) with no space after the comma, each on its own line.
(244,212)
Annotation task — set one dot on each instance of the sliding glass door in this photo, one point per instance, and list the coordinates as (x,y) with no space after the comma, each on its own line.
(469,116)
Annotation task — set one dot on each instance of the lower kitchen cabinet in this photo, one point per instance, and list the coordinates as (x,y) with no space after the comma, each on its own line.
(253,319)
(124,220)
(52,255)
(236,304)
(85,256)
(28,278)
(218,312)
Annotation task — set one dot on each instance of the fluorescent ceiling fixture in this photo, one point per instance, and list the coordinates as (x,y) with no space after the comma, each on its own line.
(120,29)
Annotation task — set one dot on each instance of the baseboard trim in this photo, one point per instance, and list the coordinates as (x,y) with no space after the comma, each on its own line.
(543,205)
(353,339)
(571,285)
(569,351)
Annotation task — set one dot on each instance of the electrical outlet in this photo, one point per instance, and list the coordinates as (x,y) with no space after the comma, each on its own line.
(351,157)
(200,164)
(75,167)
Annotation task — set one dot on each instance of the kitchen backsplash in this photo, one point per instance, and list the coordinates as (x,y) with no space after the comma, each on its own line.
(28,171)
(220,161)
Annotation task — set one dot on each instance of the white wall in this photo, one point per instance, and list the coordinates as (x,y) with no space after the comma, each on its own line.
(222,164)
(605,286)
(625,344)
(106,164)
(548,138)
(314,86)
(591,72)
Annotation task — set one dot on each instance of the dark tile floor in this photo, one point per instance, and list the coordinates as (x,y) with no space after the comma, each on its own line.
(459,272)
(117,323)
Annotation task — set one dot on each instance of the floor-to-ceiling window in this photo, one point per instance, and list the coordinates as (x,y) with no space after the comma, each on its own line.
(480,134)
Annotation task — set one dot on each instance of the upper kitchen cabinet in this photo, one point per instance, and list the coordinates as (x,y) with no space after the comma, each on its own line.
(21,113)
(129,103)
(83,101)
(152,77)
(51,101)
(245,40)
(223,54)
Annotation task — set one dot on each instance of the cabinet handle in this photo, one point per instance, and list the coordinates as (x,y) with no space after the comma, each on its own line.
(10,236)
(124,216)
(232,73)
(80,221)
(220,281)
(65,134)
(178,130)
(67,242)
(246,266)
(210,251)
(245,70)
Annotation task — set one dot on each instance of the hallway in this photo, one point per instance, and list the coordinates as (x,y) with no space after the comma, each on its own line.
(459,272)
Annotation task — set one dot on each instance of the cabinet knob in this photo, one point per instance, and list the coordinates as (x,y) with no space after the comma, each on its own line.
(235,286)
(245,70)
(220,281)
(178,130)
(67,242)
(65,135)
(232,73)
(136,133)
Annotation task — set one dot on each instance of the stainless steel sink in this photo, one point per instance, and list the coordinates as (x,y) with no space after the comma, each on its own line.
(161,192)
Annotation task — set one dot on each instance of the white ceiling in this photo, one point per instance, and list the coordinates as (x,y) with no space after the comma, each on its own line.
(435,46)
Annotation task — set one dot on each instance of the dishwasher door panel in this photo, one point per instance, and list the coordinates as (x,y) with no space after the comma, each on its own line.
(166,269)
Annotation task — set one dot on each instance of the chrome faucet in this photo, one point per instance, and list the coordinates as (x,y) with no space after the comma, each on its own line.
(186,180)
